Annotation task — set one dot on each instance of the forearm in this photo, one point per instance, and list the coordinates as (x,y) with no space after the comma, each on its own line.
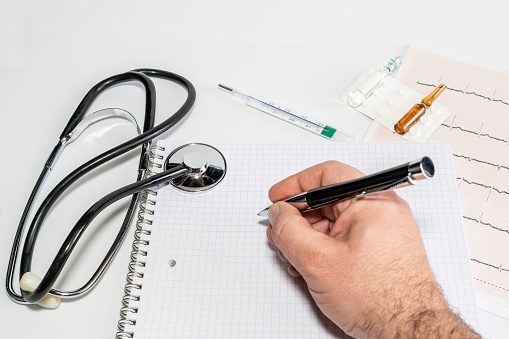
(433,317)
(436,324)
(421,312)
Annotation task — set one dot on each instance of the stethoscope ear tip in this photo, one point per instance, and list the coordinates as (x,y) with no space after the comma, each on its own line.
(29,282)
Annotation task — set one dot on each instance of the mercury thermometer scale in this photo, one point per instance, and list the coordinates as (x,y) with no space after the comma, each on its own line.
(303,121)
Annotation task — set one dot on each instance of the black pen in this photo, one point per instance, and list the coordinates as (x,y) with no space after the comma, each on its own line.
(399,176)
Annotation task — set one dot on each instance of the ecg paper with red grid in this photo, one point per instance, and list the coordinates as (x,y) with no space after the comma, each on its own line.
(478,132)
(210,271)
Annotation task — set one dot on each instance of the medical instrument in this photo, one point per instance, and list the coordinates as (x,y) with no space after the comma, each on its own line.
(37,290)
(399,176)
(289,115)
(417,111)
(207,167)
(374,80)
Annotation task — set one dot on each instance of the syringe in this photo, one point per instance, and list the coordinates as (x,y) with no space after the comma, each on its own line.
(289,115)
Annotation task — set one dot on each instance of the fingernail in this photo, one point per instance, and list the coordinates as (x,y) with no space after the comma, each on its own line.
(273,213)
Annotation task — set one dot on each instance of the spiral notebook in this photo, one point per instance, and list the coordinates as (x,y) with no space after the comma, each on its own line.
(201,265)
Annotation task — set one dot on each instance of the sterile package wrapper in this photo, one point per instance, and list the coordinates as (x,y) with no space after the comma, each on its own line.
(392,100)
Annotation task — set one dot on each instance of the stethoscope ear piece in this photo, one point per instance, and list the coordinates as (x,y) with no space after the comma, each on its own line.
(29,282)
(206,167)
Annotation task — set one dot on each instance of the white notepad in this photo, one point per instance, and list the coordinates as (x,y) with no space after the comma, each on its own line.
(211,273)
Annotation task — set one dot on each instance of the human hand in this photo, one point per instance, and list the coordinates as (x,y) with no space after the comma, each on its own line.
(363,259)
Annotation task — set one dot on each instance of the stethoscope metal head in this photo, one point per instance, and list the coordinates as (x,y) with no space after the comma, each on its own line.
(206,167)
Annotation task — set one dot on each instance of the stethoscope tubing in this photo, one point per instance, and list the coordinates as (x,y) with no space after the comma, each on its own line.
(78,230)
(144,139)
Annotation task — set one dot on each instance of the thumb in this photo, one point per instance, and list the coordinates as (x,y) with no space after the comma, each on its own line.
(293,234)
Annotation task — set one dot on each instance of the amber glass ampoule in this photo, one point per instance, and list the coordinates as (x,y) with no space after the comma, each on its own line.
(415,113)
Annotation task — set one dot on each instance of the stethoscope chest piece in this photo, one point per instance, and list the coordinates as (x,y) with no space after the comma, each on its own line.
(206,167)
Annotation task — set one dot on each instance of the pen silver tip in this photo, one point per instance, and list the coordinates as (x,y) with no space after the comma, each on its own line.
(264,212)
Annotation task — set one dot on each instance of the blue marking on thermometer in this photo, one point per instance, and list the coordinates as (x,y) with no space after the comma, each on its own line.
(286,111)
(303,121)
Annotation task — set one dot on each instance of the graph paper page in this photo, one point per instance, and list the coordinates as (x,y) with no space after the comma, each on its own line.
(211,272)
(478,133)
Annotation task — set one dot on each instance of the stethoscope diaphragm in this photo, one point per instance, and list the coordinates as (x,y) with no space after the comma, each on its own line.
(206,167)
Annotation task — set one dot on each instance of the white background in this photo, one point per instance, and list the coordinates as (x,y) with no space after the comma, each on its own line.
(300,53)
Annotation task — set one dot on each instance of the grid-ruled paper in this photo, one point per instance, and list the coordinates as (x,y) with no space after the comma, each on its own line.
(211,272)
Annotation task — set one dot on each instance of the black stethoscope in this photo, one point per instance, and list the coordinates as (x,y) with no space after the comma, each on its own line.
(74,127)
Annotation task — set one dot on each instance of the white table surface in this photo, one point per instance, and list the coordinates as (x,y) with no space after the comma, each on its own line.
(300,53)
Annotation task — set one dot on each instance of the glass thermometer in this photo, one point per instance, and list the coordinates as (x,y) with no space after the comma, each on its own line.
(289,115)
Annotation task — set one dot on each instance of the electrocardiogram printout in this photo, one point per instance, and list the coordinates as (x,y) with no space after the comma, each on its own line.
(211,273)
(478,132)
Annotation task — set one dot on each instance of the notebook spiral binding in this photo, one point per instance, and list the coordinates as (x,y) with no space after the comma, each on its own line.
(136,267)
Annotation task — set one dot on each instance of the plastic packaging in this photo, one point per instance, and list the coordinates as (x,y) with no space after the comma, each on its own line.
(392,100)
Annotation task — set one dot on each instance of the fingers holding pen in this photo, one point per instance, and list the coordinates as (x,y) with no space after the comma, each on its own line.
(297,236)
(323,174)
(326,173)
(291,270)
(297,240)
(287,225)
